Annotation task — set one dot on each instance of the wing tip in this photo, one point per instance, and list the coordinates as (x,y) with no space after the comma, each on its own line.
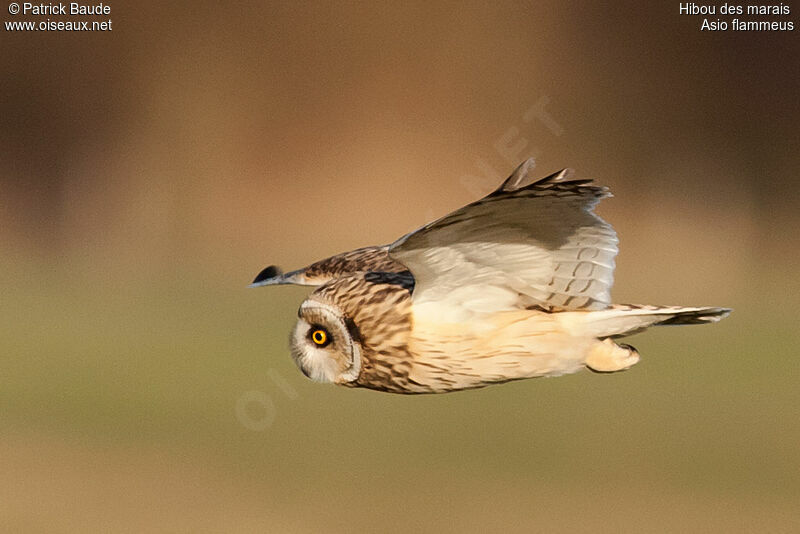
(564,175)
(520,178)
(267,276)
(563,180)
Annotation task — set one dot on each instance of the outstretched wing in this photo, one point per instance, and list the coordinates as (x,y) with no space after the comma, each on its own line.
(527,244)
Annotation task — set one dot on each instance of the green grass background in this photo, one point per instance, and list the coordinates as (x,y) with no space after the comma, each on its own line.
(702,434)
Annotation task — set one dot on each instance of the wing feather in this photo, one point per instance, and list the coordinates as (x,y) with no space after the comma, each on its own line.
(362,260)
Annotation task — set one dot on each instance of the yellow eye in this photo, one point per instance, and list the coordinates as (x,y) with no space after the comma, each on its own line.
(319,337)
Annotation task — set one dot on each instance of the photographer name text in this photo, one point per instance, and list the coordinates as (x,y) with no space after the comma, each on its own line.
(73,8)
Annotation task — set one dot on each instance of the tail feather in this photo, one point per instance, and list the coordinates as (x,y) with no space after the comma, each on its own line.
(696,316)
(622,320)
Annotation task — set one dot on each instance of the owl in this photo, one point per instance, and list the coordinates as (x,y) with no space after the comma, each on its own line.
(515,285)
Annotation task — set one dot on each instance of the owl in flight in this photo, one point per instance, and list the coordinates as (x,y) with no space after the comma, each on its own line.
(515,285)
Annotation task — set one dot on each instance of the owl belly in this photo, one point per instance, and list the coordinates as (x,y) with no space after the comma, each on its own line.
(486,349)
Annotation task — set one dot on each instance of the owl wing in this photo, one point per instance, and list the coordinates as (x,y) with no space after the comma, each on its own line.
(367,259)
(530,243)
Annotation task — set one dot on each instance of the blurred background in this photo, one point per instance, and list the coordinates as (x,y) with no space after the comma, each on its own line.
(148,173)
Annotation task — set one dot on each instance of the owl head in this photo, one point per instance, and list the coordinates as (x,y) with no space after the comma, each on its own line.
(326,343)
(345,322)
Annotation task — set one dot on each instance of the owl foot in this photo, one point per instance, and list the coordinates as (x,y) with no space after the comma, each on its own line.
(607,357)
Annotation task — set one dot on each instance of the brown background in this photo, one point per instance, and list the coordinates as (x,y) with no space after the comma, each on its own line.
(148,173)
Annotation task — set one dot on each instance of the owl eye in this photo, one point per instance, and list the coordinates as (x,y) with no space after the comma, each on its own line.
(320,336)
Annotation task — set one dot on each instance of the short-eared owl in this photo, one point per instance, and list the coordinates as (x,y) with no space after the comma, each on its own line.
(515,285)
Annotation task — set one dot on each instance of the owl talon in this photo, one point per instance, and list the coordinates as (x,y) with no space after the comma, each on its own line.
(608,357)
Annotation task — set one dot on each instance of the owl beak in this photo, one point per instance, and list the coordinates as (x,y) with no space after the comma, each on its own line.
(272,276)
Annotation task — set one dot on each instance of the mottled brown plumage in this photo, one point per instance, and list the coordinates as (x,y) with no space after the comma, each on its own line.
(380,306)
(362,260)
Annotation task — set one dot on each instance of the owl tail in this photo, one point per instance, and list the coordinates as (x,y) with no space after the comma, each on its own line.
(626,319)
